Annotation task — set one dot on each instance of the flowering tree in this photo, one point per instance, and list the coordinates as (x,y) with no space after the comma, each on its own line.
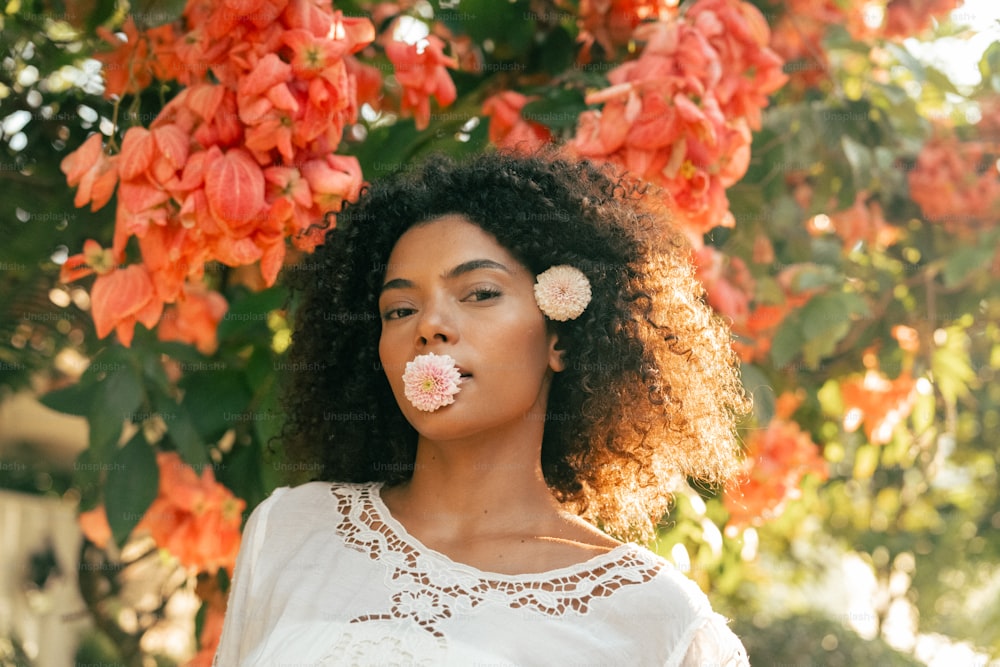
(840,197)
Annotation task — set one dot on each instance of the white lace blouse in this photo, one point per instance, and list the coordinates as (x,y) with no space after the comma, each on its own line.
(326,576)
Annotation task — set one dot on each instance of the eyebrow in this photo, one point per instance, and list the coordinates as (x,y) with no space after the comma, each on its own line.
(464,267)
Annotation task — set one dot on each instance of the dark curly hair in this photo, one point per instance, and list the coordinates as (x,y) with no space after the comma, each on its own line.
(651,389)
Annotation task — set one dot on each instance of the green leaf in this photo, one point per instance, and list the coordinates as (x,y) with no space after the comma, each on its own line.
(72,400)
(830,400)
(109,360)
(116,400)
(181,430)
(249,313)
(826,320)
(924,412)
(825,315)
(989,65)
(860,158)
(912,64)
(817,349)
(822,316)
(102,12)
(388,149)
(559,109)
(268,416)
(152,13)
(132,484)
(509,25)
(894,95)
(153,373)
(249,472)
(940,81)
(267,426)
(865,461)
(558,51)
(785,215)
(811,276)
(951,367)
(215,400)
(758,386)
(199,620)
(965,261)
(87,479)
(787,341)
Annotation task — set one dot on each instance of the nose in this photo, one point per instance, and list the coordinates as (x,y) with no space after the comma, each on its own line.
(435,323)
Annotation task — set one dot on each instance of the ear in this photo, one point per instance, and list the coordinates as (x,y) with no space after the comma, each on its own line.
(556,362)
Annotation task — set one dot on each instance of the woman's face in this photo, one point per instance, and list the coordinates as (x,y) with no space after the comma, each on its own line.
(450,288)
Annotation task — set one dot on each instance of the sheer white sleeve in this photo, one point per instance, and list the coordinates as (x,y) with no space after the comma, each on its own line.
(715,645)
(238,610)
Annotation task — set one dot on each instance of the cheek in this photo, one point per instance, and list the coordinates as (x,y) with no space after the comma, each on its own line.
(386,359)
(526,348)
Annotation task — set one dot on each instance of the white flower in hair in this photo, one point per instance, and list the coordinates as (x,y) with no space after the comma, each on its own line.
(562,292)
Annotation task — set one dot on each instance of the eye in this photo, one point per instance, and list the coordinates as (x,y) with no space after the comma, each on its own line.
(397,313)
(483,294)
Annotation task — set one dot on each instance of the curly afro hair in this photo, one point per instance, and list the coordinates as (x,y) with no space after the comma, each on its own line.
(651,390)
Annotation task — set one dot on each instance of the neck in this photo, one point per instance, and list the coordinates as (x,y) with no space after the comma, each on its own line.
(483,483)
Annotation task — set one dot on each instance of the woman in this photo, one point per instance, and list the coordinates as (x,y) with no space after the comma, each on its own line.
(489,360)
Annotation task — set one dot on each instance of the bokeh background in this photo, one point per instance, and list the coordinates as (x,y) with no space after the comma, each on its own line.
(834,164)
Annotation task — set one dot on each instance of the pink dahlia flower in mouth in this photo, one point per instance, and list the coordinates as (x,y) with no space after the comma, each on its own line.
(431,381)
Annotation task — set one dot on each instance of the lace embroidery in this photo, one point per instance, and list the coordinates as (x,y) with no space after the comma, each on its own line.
(385,649)
(431,590)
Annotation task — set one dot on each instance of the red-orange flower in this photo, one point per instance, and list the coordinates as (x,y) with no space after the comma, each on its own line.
(777,459)
(420,70)
(508,129)
(751,71)
(93,259)
(907,18)
(610,22)
(956,184)
(93,171)
(861,223)
(878,402)
(164,62)
(266,86)
(680,114)
(728,283)
(234,188)
(753,334)
(194,318)
(122,297)
(194,517)
(333,180)
(95,527)
(368,82)
(125,68)
(797,33)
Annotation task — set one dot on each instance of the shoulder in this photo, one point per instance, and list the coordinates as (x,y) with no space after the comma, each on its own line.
(304,496)
(671,605)
(666,581)
(291,517)
(304,504)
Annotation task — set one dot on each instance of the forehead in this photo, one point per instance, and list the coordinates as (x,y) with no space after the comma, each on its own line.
(443,243)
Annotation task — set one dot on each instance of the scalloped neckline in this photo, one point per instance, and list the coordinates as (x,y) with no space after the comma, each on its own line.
(373,495)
